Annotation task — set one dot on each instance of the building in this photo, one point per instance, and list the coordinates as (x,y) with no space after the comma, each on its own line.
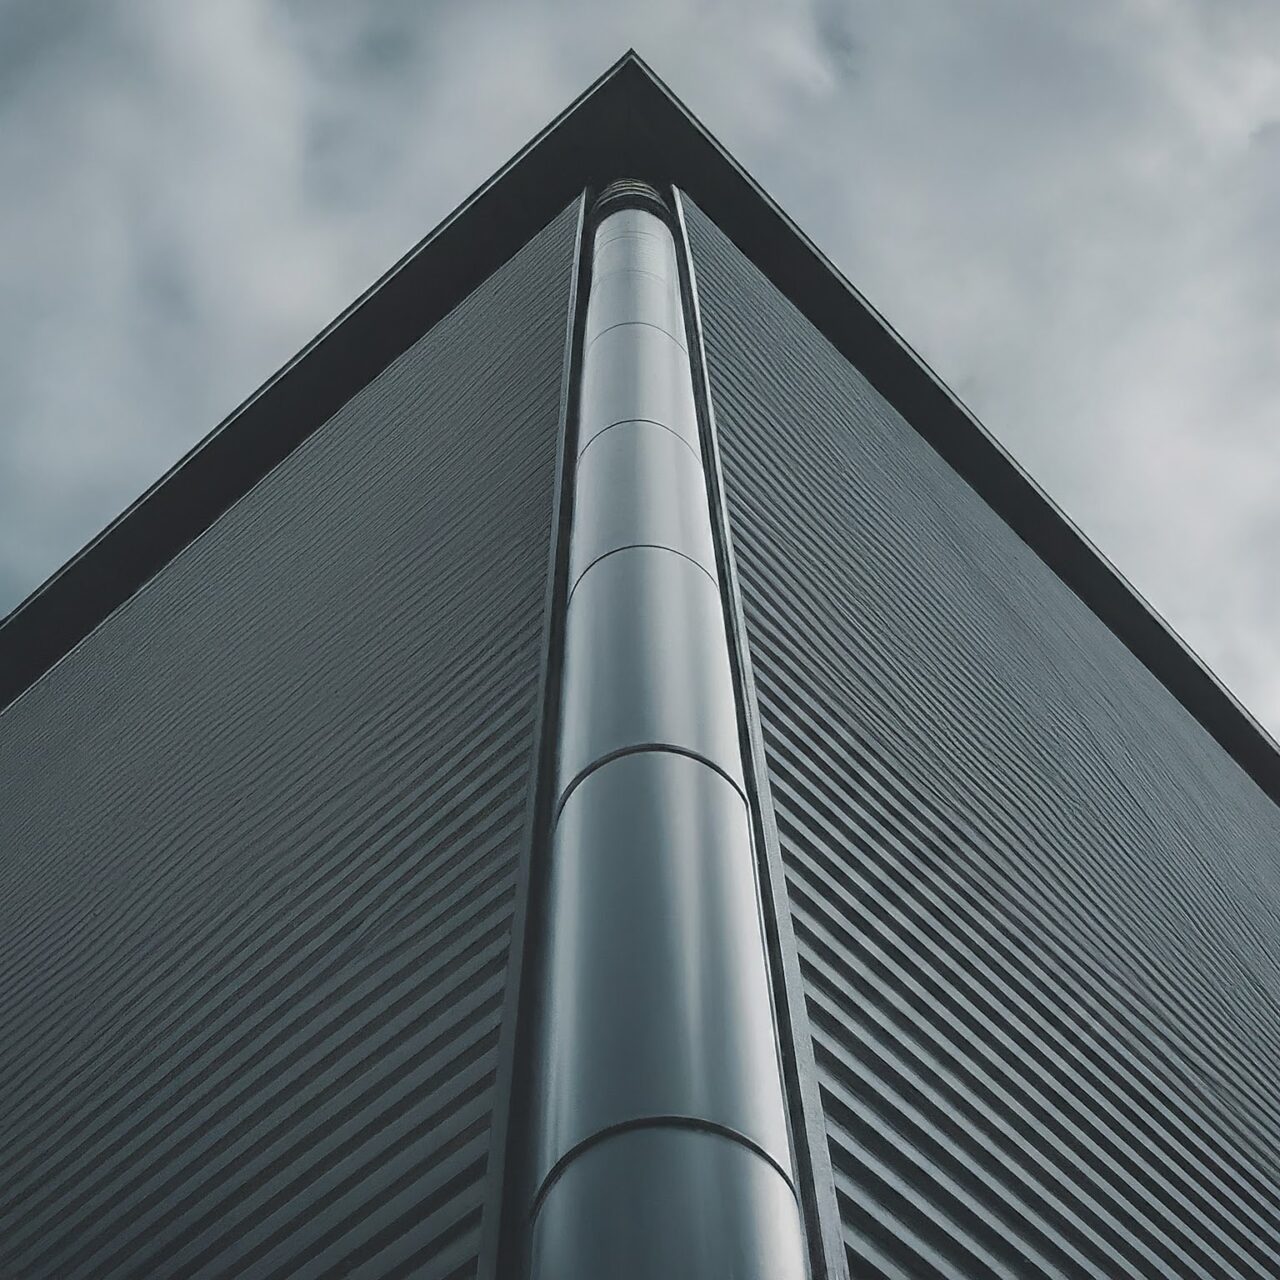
(602,767)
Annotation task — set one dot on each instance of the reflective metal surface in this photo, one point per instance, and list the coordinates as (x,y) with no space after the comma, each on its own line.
(637,372)
(661,1144)
(640,485)
(646,663)
(668,1204)
(654,919)
(632,295)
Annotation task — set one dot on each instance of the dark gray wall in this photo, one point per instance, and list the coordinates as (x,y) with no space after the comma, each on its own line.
(258,844)
(1038,908)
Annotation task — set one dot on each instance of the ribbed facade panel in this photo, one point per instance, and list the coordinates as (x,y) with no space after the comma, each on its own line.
(1038,907)
(259,842)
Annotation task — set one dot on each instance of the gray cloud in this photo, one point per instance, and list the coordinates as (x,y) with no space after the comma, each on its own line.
(1070,210)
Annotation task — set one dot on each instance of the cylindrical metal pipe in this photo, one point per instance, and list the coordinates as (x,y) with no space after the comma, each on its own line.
(661,1146)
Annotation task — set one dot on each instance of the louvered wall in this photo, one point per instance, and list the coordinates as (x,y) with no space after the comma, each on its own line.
(1038,908)
(258,844)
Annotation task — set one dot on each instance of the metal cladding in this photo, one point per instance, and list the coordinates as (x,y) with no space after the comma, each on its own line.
(661,1146)
(261,835)
(1036,905)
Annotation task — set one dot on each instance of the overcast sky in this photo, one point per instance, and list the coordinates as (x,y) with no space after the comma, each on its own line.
(1071,210)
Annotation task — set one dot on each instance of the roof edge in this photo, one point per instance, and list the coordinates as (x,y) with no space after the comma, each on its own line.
(745,212)
(466,247)
(626,124)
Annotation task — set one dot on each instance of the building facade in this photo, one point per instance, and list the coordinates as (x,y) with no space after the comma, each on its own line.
(602,767)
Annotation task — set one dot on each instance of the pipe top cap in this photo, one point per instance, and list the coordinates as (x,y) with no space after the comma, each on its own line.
(628,193)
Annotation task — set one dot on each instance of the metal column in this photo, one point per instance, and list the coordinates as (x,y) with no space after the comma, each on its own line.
(661,1146)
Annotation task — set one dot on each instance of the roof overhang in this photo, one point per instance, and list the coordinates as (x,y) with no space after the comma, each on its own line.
(627,124)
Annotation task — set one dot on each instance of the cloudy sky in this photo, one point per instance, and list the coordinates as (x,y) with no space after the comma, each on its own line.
(1071,210)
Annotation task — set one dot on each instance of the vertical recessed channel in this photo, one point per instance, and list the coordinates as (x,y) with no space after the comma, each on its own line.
(660,1140)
